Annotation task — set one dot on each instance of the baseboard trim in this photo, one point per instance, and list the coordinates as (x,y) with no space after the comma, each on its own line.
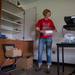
(66,64)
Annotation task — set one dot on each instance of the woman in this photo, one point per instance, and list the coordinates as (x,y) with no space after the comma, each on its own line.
(42,26)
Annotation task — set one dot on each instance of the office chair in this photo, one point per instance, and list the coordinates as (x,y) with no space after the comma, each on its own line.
(8,68)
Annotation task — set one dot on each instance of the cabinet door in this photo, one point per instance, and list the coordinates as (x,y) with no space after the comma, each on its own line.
(27,47)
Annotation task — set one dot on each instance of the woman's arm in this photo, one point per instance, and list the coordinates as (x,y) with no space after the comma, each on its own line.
(40,31)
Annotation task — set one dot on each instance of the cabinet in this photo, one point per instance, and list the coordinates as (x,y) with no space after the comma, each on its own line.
(11,20)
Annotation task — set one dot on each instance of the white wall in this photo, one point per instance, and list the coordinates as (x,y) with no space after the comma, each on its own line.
(29,28)
(59,8)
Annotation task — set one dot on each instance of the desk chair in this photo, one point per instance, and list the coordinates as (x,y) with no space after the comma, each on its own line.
(10,67)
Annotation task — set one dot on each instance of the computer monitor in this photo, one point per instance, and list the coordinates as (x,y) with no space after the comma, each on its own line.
(73,19)
(70,20)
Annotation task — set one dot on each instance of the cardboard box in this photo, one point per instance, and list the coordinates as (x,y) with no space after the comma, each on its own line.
(25,63)
(13,53)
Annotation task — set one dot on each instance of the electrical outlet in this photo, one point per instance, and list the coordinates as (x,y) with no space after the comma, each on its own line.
(53,52)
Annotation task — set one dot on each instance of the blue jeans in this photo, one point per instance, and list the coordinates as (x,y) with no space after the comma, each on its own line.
(45,43)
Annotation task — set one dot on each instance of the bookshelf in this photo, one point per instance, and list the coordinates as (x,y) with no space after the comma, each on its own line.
(12,18)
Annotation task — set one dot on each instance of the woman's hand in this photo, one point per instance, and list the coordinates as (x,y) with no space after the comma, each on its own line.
(42,31)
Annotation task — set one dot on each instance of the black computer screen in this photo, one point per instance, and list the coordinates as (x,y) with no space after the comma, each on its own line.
(73,19)
(70,20)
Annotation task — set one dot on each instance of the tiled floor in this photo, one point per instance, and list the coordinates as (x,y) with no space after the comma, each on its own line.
(53,70)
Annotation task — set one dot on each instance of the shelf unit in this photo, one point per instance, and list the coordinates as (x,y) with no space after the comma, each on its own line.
(9,22)
(12,19)
(12,15)
(9,31)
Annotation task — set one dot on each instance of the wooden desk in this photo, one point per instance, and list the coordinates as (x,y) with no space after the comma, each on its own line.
(25,46)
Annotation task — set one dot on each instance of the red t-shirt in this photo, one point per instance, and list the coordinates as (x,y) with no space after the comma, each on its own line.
(44,24)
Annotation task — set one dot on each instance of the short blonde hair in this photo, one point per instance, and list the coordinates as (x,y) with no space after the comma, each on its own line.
(46,11)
